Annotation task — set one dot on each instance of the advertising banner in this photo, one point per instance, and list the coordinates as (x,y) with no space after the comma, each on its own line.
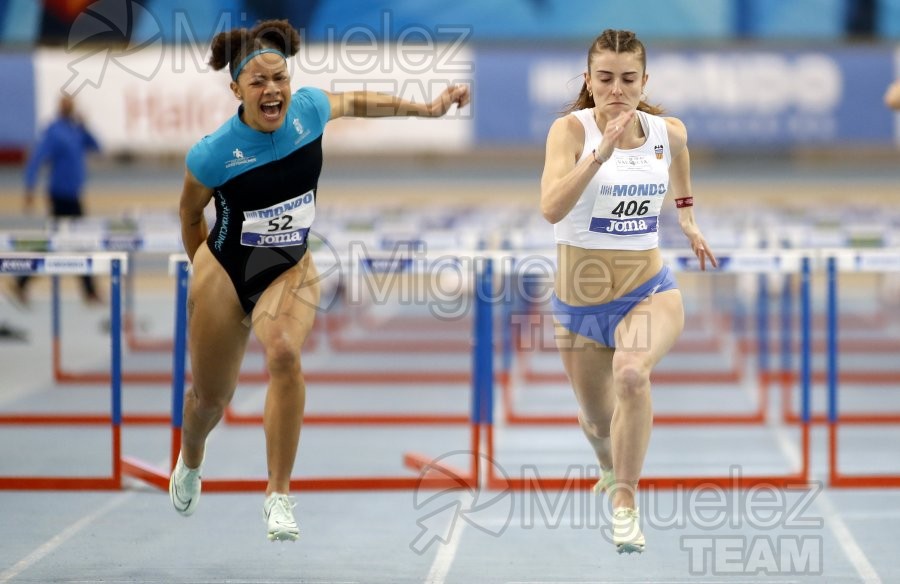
(161,98)
(727,98)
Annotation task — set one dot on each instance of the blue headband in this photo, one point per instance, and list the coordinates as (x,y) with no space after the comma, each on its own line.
(237,70)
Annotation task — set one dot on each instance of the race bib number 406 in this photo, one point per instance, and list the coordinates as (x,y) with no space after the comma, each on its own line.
(281,225)
(627,209)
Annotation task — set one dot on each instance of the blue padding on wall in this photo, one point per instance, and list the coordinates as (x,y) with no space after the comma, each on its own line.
(798,19)
(888,20)
(736,98)
(178,21)
(532,19)
(19,21)
(17,123)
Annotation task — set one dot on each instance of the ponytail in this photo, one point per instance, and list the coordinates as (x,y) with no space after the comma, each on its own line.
(583,101)
(650,109)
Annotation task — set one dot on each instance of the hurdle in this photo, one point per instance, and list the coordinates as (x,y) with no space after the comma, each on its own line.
(327,329)
(54,265)
(125,242)
(431,474)
(735,261)
(83,242)
(871,261)
(755,261)
(370,262)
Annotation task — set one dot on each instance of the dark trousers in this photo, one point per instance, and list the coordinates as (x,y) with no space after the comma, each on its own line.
(62,207)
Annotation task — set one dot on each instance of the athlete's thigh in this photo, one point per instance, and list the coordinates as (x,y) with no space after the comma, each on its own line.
(286,311)
(588,363)
(218,330)
(651,328)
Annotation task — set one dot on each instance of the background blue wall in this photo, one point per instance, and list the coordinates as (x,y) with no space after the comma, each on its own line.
(691,48)
(727,98)
(17,115)
(34,21)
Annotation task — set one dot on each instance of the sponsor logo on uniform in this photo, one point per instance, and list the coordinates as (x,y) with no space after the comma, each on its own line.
(223,222)
(239,159)
(281,208)
(624,226)
(633,190)
(633,163)
(301,132)
(659,151)
(297,237)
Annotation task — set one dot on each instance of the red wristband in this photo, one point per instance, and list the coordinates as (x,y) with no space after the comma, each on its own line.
(684,202)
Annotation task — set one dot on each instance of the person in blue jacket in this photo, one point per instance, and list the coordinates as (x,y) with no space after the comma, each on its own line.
(252,269)
(64,146)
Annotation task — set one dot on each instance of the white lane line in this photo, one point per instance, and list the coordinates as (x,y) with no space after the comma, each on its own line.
(870,515)
(853,551)
(668,581)
(65,535)
(832,518)
(61,538)
(443,560)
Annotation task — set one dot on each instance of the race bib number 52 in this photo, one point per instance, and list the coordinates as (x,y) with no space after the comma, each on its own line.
(281,225)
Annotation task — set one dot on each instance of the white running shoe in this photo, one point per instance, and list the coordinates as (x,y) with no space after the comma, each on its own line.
(626,528)
(278,511)
(184,487)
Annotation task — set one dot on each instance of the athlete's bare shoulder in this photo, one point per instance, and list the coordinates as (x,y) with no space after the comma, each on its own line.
(677,134)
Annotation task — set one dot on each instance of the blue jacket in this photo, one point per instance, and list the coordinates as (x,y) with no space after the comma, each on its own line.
(64,145)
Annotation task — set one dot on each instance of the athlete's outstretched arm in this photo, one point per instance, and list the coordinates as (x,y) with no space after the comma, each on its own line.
(370,104)
(680,187)
(194,198)
(892,95)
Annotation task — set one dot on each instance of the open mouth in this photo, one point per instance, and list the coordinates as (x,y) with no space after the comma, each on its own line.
(271,110)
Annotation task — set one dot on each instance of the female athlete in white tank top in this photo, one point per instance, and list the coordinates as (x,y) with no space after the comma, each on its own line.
(608,167)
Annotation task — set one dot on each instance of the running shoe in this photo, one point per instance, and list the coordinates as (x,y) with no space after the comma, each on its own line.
(626,530)
(278,511)
(184,487)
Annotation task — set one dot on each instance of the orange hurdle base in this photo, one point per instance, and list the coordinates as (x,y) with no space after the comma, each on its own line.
(790,481)
(433,475)
(62,483)
(861,481)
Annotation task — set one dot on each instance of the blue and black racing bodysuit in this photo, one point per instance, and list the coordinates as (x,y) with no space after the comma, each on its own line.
(265,192)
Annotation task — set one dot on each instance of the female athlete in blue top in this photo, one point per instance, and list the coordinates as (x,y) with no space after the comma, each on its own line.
(262,168)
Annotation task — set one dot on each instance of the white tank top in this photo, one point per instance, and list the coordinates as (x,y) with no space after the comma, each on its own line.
(619,208)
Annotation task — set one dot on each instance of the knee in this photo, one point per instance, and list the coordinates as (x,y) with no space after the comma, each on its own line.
(209,403)
(632,381)
(282,356)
